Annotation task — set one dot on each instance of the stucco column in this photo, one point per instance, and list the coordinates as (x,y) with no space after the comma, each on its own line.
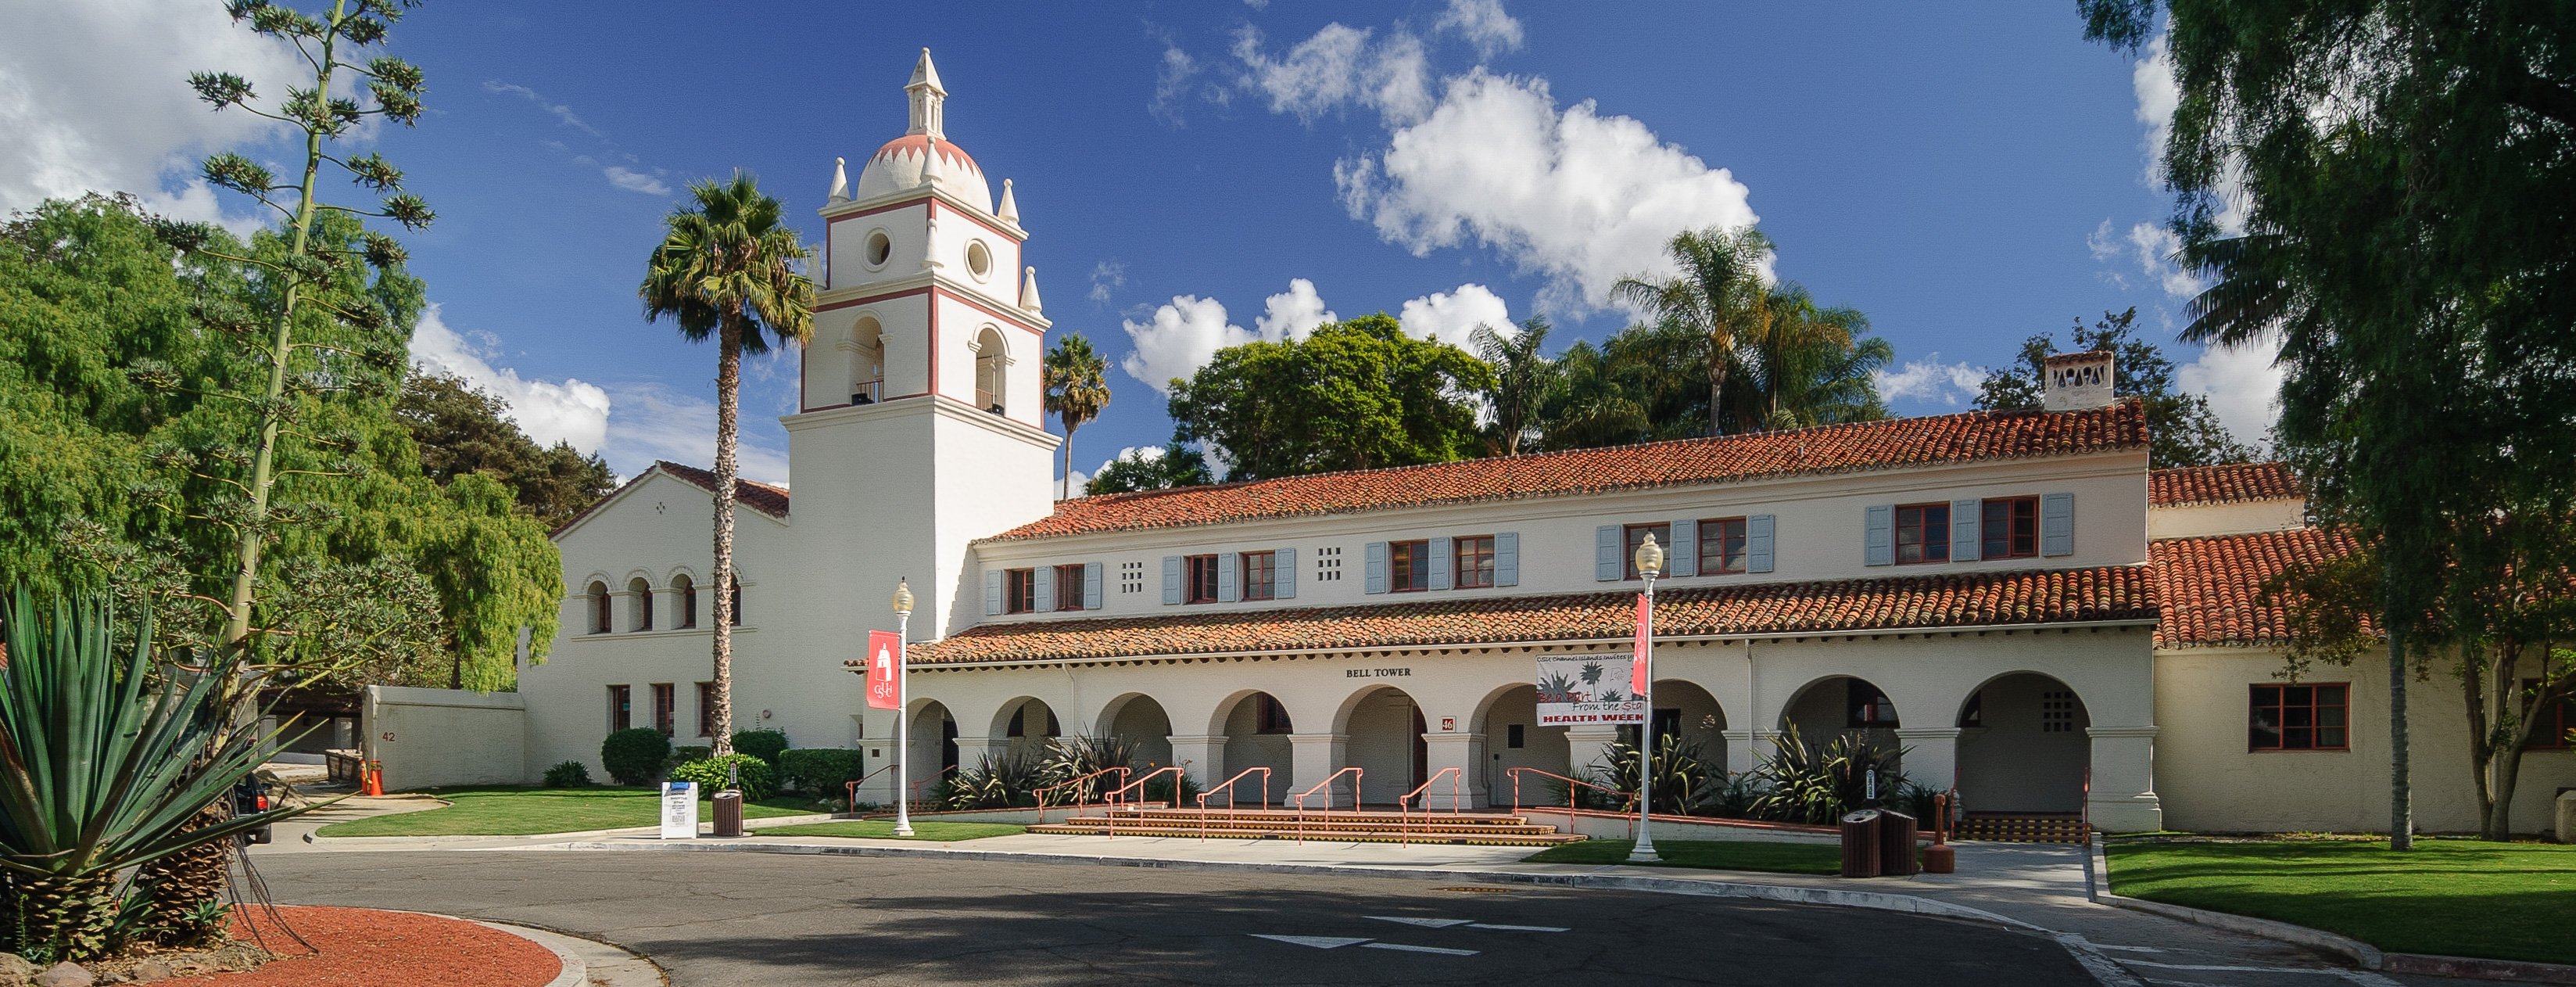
(2123,787)
(971,752)
(1204,754)
(666,608)
(1587,746)
(1931,756)
(1741,755)
(1316,756)
(1463,751)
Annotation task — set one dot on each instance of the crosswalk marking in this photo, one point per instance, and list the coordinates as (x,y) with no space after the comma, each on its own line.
(1419,949)
(1518,928)
(1428,923)
(1319,942)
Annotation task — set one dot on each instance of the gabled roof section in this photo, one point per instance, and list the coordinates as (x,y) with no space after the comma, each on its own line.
(2236,483)
(758,496)
(1896,443)
(1966,600)
(2211,589)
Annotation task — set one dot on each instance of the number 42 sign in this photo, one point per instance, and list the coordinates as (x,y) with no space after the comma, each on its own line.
(885,690)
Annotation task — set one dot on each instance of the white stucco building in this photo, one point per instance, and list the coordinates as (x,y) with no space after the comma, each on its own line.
(2014,597)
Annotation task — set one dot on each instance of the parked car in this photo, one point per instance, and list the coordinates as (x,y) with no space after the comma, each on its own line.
(251,795)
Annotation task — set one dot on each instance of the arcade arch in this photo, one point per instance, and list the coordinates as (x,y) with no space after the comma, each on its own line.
(1025,724)
(1256,726)
(1385,728)
(2024,746)
(1141,723)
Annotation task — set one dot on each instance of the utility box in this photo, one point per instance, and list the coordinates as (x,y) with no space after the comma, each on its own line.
(2567,816)
(728,814)
(1895,844)
(1861,850)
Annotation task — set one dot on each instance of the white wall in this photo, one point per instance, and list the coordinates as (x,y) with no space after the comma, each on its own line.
(436,738)
(2246,517)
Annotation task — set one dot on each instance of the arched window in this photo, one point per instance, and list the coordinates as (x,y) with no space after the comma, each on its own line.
(867,362)
(990,358)
(686,589)
(639,604)
(599,613)
(737,601)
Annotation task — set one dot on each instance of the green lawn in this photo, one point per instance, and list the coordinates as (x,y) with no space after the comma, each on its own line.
(883,829)
(2450,897)
(529,811)
(1783,858)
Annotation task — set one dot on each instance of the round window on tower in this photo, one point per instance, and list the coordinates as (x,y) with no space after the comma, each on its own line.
(978,259)
(880,247)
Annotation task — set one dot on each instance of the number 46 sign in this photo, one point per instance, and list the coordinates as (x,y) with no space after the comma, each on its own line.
(885,690)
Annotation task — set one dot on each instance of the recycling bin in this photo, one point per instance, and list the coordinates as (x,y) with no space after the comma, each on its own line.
(1895,844)
(1861,851)
(728,813)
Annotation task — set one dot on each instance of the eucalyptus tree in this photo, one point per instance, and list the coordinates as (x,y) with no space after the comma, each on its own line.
(729,267)
(1714,300)
(1076,378)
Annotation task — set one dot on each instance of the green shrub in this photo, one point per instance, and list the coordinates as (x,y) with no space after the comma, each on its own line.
(763,744)
(1002,781)
(1684,780)
(750,774)
(569,774)
(1816,784)
(684,755)
(1160,790)
(821,771)
(634,756)
(1069,758)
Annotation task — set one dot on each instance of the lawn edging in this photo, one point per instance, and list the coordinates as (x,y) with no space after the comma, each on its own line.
(2097,885)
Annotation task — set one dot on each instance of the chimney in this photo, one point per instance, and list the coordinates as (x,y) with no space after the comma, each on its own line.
(2077,381)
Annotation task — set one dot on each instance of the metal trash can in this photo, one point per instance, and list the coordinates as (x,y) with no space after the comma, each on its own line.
(1896,844)
(1861,851)
(728,814)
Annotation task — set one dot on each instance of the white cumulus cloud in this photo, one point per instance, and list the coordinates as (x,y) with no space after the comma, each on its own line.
(1294,313)
(635,181)
(1106,278)
(1930,381)
(1484,24)
(1178,339)
(1452,316)
(1339,66)
(572,411)
(2242,385)
(657,421)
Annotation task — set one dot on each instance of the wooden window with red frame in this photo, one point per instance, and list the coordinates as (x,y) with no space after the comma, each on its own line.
(1721,546)
(1019,590)
(2556,719)
(1922,533)
(1475,562)
(706,709)
(1203,577)
(1408,566)
(665,712)
(2313,716)
(2010,528)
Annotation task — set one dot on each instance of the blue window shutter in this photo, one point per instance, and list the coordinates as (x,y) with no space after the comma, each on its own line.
(1507,559)
(2057,524)
(1681,558)
(1376,566)
(1605,554)
(1967,531)
(1226,572)
(992,592)
(1283,574)
(1046,589)
(1091,580)
(1878,536)
(1757,542)
(1442,559)
(1171,580)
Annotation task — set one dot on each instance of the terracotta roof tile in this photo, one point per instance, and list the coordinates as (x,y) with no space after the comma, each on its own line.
(2211,588)
(2231,484)
(1893,443)
(758,496)
(1905,603)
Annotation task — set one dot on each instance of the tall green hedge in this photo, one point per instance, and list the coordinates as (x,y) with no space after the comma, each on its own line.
(821,771)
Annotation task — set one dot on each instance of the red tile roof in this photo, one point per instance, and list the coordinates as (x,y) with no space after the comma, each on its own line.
(758,496)
(2231,484)
(2108,593)
(2211,589)
(1895,443)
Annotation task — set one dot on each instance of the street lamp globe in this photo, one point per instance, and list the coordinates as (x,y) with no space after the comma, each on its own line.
(1650,558)
(903,598)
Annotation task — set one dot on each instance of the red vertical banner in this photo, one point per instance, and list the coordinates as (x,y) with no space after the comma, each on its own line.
(1637,665)
(884,692)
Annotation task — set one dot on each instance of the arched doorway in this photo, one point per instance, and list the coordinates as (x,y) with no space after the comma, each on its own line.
(1138,721)
(1684,710)
(1256,728)
(1514,739)
(1385,728)
(1025,724)
(1839,705)
(2023,746)
(930,750)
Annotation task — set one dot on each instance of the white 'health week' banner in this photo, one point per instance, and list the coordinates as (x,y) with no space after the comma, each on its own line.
(1589,689)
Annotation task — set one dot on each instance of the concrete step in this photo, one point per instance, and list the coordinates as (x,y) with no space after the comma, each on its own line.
(2024,828)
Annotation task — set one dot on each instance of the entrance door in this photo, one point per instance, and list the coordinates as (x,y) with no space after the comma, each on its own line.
(1421,751)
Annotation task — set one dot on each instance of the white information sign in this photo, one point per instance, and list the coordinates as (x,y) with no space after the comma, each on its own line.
(679,810)
(1587,689)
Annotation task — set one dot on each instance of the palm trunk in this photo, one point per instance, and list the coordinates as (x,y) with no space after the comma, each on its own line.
(1068,461)
(68,917)
(1716,390)
(179,884)
(728,401)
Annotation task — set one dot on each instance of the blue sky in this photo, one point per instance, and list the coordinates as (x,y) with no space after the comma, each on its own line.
(1966,175)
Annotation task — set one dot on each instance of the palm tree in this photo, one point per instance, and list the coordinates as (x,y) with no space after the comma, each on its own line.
(1717,297)
(1523,377)
(1077,388)
(729,267)
(1808,365)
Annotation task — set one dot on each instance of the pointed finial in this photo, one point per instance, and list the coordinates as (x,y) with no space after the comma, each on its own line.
(1029,290)
(930,161)
(926,74)
(840,180)
(1010,205)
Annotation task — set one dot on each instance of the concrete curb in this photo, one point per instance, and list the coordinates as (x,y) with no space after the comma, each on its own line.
(2361,954)
(575,972)
(431,842)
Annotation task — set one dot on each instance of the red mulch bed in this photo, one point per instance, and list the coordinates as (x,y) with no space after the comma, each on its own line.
(363,947)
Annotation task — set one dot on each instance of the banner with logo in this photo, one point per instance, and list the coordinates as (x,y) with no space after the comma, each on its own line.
(1575,690)
(884,691)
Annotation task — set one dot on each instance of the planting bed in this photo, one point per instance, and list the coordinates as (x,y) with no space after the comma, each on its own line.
(366,946)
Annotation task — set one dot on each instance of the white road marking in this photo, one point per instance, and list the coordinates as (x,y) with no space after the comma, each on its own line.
(1428,923)
(2369,979)
(1318,942)
(1420,949)
(2128,949)
(2104,971)
(1518,928)
(2209,968)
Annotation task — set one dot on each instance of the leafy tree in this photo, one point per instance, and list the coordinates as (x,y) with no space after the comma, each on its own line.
(1077,388)
(1714,302)
(1523,376)
(1358,394)
(464,430)
(1174,465)
(2181,428)
(728,267)
(2394,174)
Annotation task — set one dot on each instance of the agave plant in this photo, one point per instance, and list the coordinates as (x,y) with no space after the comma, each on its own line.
(1070,758)
(104,760)
(1000,781)
(1684,780)
(1811,783)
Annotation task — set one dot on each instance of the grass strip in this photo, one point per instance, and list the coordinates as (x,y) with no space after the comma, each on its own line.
(535,811)
(883,829)
(2506,901)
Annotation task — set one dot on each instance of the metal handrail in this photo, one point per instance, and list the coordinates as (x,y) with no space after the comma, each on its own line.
(2085,821)
(1515,774)
(1118,797)
(1404,804)
(917,800)
(1041,794)
(1299,798)
(863,779)
(1230,800)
